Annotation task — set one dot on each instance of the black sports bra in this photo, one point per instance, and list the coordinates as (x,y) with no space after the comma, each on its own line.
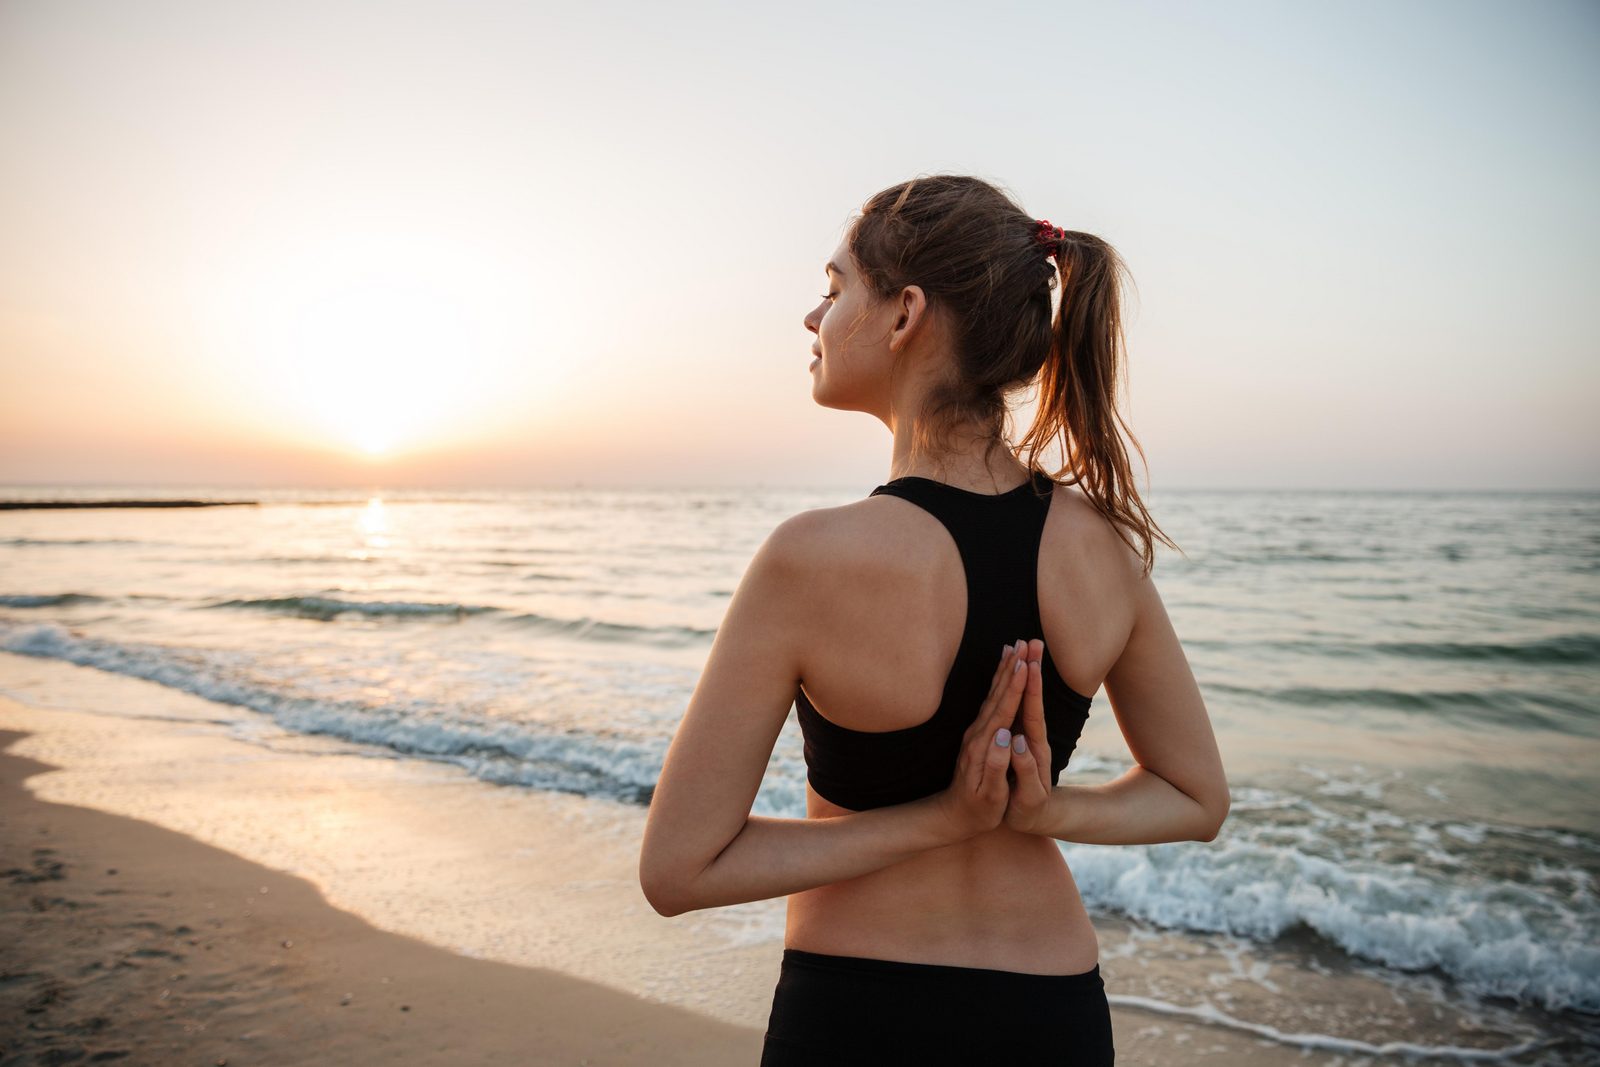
(998,538)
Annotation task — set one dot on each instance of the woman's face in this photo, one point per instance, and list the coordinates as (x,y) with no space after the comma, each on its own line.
(851,371)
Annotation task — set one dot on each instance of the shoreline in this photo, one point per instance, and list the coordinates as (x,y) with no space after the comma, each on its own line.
(125,937)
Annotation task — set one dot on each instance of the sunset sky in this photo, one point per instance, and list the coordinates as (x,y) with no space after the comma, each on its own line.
(506,244)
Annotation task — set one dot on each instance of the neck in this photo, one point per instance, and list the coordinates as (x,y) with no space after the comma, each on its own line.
(975,460)
(969,457)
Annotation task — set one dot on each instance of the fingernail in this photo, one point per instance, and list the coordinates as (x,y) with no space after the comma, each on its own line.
(1002,737)
(1019,743)
(1017,666)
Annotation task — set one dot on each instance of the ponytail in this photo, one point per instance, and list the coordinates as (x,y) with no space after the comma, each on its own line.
(1077,392)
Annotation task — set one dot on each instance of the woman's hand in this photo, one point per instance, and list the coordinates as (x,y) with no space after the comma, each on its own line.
(1030,751)
(977,797)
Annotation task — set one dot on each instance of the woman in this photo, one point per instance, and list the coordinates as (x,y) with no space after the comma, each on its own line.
(931,915)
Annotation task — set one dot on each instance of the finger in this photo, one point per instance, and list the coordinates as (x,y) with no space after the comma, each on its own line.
(1034,727)
(996,761)
(997,716)
(994,685)
(1013,680)
(1002,670)
(1030,789)
(1002,675)
(1033,724)
(1010,696)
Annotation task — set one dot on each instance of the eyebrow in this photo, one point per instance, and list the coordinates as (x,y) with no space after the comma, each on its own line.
(833,267)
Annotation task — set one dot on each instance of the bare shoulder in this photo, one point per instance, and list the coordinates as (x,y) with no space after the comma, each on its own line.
(821,541)
(1087,538)
(832,556)
(810,535)
(1090,587)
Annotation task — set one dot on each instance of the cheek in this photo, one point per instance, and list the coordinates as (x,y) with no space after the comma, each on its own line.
(832,329)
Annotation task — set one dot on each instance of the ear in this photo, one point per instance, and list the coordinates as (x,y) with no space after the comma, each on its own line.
(910,316)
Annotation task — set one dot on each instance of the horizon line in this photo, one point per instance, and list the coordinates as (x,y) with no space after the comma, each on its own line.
(729,486)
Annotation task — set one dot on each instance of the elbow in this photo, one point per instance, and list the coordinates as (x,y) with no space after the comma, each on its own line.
(664,891)
(1217,814)
(673,881)
(665,906)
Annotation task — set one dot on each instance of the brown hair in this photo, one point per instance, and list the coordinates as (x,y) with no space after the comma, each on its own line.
(973,253)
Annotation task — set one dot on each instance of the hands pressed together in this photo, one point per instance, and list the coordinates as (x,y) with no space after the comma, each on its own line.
(982,795)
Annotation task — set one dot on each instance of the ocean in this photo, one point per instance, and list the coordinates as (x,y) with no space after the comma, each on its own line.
(1405,687)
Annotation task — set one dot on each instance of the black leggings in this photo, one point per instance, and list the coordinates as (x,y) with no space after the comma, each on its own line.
(851,1009)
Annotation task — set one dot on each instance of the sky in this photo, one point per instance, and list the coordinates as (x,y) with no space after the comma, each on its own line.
(484,244)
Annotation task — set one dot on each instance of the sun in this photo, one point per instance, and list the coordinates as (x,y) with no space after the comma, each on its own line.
(374,345)
(377,361)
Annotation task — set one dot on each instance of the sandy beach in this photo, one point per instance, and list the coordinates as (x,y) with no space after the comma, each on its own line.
(181,889)
(130,943)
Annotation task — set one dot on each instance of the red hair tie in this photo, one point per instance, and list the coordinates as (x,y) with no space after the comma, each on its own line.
(1047,235)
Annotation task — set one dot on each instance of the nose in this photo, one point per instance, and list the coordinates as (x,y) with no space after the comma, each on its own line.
(811,322)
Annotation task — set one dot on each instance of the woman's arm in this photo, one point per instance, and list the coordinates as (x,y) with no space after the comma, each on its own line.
(1176,790)
(1138,808)
(702,848)
(775,857)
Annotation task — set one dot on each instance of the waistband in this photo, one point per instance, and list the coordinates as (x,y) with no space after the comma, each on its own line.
(799,957)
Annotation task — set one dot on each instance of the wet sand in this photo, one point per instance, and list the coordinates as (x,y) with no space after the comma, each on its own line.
(125,942)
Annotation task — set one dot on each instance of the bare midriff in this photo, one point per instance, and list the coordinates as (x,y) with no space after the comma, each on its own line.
(1002,900)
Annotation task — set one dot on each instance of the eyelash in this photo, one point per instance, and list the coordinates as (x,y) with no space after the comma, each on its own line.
(829,296)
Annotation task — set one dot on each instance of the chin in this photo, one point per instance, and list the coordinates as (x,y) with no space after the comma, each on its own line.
(823,399)
(822,390)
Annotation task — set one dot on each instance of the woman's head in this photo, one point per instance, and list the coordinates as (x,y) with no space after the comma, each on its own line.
(945,283)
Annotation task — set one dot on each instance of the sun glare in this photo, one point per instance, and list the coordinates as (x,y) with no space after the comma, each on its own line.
(374,345)
(375,359)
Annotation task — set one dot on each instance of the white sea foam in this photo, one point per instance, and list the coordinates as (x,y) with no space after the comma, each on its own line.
(505,752)
(1327,1043)
(1496,938)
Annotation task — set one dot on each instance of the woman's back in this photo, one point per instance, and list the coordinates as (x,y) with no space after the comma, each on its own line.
(888,616)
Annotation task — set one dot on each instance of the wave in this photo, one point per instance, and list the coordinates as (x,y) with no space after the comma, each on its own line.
(599,630)
(1579,648)
(1563,648)
(46,600)
(1214,1016)
(327,608)
(532,575)
(1513,708)
(505,753)
(1275,555)
(1498,938)
(37,542)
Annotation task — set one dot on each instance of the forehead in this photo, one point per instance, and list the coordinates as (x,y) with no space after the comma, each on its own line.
(839,261)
